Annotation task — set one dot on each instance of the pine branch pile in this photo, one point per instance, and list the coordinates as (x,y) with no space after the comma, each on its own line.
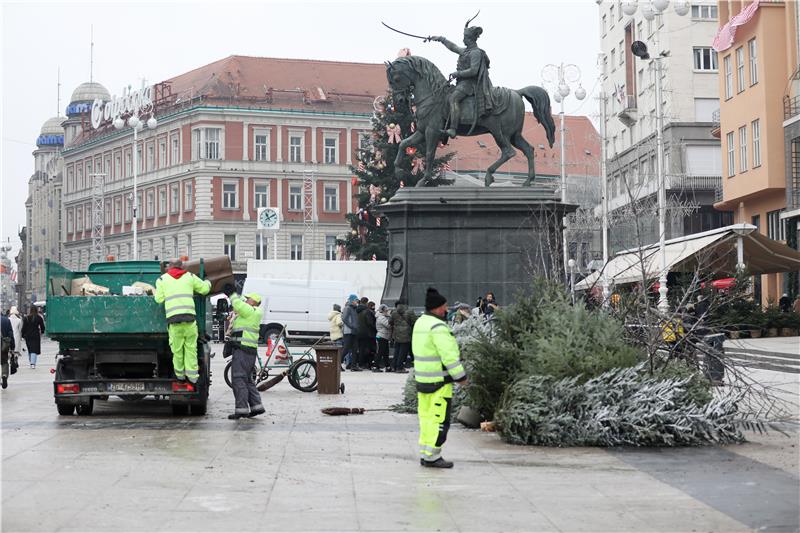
(621,407)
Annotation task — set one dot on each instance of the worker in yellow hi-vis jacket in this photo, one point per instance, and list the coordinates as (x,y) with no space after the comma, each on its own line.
(176,289)
(436,366)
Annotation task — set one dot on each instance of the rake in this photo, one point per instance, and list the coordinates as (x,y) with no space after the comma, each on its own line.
(344,411)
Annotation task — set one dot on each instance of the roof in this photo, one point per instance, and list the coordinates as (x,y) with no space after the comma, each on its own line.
(52,126)
(89,92)
(712,251)
(581,137)
(286,83)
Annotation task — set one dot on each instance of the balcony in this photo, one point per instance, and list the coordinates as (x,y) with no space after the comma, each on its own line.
(718,196)
(791,107)
(629,114)
(693,183)
(715,124)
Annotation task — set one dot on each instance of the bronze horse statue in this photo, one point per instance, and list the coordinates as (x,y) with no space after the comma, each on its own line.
(416,75)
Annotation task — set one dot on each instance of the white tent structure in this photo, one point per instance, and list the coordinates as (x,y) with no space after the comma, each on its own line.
(711,252)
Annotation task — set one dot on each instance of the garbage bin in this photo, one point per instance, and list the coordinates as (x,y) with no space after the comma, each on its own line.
(329,372)
(715,369)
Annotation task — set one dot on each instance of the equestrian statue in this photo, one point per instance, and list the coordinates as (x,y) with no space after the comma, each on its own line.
(471,107)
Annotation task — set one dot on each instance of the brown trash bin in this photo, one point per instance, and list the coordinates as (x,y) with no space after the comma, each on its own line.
(218,271)
(329,371)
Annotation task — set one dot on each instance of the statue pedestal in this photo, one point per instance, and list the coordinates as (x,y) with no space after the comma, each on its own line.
(467,241)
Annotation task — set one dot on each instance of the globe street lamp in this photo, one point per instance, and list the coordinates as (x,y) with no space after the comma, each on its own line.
(741,231)
(136,124)
(560,77)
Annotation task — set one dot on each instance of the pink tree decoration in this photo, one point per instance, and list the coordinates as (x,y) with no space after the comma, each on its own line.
(393,131)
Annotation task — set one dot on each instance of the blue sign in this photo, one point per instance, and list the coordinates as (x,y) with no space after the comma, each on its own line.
(44,140)
(77,109)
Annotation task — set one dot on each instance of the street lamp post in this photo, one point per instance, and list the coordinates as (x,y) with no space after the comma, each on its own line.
(136,124)
(571,264)
(560,77)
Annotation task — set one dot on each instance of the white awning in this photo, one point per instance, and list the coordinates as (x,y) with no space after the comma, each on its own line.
(712,252)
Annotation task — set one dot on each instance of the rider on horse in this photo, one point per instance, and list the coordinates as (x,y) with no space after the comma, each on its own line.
(472,77)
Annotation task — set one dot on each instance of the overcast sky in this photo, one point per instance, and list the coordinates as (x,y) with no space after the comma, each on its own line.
(159,40)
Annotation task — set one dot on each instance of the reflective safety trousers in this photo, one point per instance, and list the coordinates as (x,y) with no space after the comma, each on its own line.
(247,322)
(183,344)
(433,410)
(177,294)
(436,354)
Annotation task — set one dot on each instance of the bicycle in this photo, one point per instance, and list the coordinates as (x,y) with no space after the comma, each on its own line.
(301,370)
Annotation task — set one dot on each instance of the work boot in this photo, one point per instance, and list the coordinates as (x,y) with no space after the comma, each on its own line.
(438,463)
(235,416)
(256,412)
(5,382)
(355,369)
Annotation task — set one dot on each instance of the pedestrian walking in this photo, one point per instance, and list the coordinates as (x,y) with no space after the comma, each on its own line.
(367,332)
(335,328)
(384,329)
(796,304)
(785,303)
(437,366)
(244,335)
(402,321)
(349,332)
(6,347)
(32,329)
(176,289)
(16,326)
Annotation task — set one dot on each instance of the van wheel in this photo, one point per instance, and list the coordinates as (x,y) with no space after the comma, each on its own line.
(65,409)
(199,409)
(180,409)
(85,409)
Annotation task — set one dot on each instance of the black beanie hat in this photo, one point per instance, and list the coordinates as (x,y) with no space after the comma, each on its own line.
(433,299)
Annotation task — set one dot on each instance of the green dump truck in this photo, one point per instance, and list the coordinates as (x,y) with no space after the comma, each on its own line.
(116,344)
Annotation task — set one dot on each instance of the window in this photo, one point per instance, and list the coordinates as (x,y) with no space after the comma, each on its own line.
(611,16)
(163,248)
(330,145)
(81,182)
(260,195)
(295,198)
(261,145)
(151,157)
(705,58)
(175,156)
(331,198)
(622,52)
(640,81)
(704,12)
(107,213)
(162,153)
(613,60)
(162,202)
(261,246)
(775,226)
(107,167)
(731,161)
(755,220)
(174,198)
(189,244)
(139,160)
(87,213)
(296,148)
(128,209)
(742,148)
(756,127)
(229,247)
(728,77)
(138,206)
(740,69)
(330,248)
(117,166)
(70,179)
(69,221)
(650,27)
(128,164)
(175,245)
(605,25)
(296,247)
(229,195)
(151,201)
(753,52)
(117,210)
(207,143)
(188,196)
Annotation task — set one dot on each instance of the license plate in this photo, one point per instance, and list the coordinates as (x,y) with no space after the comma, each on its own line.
(126,387)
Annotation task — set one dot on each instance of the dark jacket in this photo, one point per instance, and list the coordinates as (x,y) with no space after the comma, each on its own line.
(7,331)
(366,323)
(32,329)
(349,320)
(402,322)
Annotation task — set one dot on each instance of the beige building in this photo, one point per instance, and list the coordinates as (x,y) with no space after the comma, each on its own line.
(756,67)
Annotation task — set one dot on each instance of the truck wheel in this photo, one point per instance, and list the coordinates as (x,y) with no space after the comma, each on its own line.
(227,374)
(180,409)
(65,409)
(199,409)
(303,375)
(85,409)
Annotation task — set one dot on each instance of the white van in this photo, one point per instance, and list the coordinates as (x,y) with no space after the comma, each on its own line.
(300,294)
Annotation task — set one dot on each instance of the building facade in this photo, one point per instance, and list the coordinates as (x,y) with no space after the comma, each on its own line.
(43,208)
(232,136)
(791,147)
(757,64)
(689,98)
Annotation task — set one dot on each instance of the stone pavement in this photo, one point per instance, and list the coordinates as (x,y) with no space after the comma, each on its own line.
(781,354)
(133,467)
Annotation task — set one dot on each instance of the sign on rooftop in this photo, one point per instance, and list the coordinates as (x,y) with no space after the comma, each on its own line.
(130,103)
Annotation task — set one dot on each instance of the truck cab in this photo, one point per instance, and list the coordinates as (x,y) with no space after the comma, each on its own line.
(117,345)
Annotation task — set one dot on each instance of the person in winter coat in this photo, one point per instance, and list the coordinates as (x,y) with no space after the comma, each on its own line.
(366,333)
(32,329)
(402,322)
(335,319)
(384,336)
(16,327)
(349,331)
(7,334)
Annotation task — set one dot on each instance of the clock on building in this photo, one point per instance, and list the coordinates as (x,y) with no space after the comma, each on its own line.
(268,218)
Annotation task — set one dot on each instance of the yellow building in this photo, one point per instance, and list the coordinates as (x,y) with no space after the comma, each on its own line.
(757,58)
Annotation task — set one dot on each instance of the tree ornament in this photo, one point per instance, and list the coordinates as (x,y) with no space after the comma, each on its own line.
(354,181)
(411,150)
(413,127)
(402,184)
(393,131)
(378,222)
(384,200)
(417,165)
(374,192)
(374,257)
(404,52)
(361,167)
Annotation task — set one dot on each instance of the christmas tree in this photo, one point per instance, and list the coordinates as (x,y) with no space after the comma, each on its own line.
(374,178)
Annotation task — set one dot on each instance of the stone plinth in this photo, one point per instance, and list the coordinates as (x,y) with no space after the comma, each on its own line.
(466,241)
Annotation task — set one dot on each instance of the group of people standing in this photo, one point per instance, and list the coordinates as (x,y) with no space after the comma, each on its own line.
(367,334)
(16,329)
